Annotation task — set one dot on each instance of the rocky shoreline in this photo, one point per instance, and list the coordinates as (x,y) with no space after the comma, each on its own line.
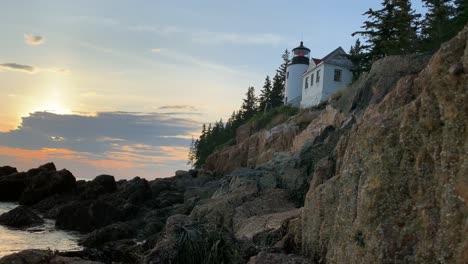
(376,175)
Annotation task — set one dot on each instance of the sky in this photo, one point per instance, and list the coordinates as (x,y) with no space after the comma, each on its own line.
(121,87)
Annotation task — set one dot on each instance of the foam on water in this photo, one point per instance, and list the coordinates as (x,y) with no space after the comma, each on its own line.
(40,237)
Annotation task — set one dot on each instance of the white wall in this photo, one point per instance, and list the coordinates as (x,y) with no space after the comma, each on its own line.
(313,94)
(321,91)
(330,85)
(294,82)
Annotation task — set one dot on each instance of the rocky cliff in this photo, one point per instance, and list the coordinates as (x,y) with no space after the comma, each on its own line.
(378,174)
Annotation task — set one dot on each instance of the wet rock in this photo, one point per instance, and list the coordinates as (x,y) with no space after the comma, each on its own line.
(20,217)
(29,256)
(12,186)
(86,216)
(109,233)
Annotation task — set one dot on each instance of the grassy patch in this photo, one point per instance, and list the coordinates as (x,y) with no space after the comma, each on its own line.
(273,117)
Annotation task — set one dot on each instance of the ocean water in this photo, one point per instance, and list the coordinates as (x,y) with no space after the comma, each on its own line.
(40,237)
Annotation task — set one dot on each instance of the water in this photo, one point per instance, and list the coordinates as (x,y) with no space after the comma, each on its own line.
(39,237)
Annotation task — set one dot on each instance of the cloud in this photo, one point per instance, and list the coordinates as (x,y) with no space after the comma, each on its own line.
(33,40)
(124,144)
(28,68)
(178,107)
(17,67)
(156,50)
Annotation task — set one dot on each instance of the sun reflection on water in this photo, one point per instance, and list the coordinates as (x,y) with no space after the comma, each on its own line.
(42,237)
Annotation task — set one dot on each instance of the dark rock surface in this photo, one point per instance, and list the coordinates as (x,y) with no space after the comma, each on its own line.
(7,170)
(35,256)
(47,183)
(86,216)
(20,217)
(100,185)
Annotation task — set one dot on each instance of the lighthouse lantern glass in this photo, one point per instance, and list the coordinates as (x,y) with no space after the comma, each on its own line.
(301,53)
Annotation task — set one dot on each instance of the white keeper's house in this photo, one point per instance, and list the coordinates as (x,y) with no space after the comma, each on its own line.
(310,81)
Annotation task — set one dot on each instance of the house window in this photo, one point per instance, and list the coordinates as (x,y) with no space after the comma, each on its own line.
(337,75)
(312,79)
(318,76)
(306,83)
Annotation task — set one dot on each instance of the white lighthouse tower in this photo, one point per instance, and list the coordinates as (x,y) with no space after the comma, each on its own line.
(299,64)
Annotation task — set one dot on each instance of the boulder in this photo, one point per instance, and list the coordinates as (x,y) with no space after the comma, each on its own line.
(51,205)
(123,251)
(48,167)
(266,214)
(12,186)
(7,170)
(20,217)
(47,183)
(86,216)
(159,185)
(100,185)
(135,191)
(29,256)
(166,250)
(110,233)
(246,180)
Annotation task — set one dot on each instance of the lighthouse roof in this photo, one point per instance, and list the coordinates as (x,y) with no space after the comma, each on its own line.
(301,47)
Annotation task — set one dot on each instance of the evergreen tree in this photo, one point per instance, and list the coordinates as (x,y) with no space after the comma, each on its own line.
(461,15)
(436,27)
(265,94)
(277,91)
(249,106)
(360,58)
(282,68)
(192,156)
(391,30)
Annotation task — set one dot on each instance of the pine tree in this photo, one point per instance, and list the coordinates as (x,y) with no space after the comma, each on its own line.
(391,30)
(282,68)
(249,106)
(436,27)
(265,94)
(461,15)
(277,91)
(360,58)
(192,156)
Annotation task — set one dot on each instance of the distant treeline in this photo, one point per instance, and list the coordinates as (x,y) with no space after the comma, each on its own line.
(395,29)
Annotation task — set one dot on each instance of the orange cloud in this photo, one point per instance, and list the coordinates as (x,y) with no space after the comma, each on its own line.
(41,154)
(127,161)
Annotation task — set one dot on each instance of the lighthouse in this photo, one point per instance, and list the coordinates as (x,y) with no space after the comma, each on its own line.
(298,65)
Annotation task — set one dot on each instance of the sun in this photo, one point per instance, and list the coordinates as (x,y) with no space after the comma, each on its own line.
(54,108)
